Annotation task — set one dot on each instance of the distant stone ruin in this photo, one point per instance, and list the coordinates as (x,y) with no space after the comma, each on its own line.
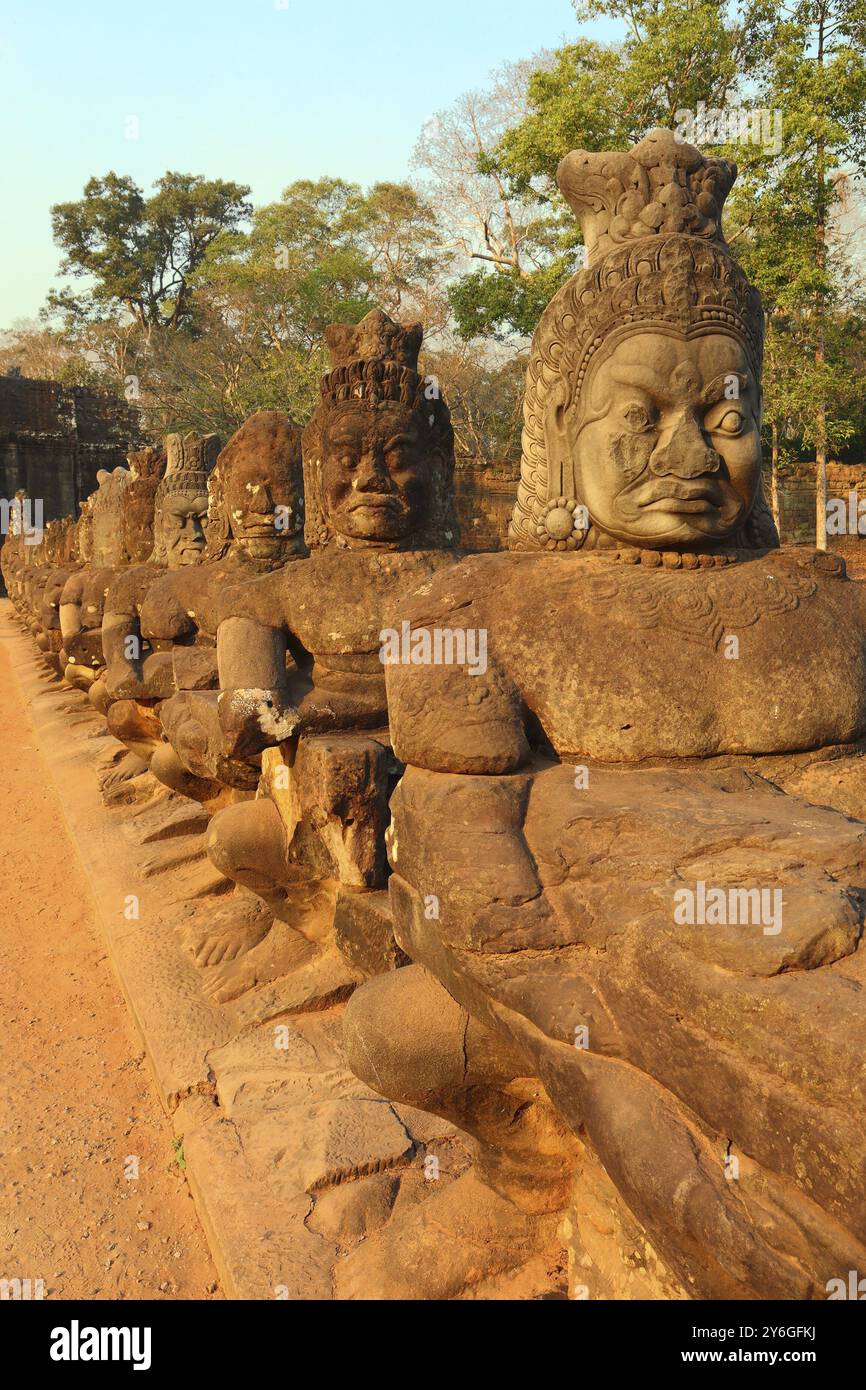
(54,439)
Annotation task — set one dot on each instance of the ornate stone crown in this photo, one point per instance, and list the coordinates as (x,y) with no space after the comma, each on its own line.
(189,460)
(373,363)
(656,259)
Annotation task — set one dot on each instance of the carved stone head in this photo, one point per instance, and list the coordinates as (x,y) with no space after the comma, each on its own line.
(84,533)
(146,468)
(106,508)
(51,543)
(67,552)
(256,492)
(181,500)
(643,401)
(379,451)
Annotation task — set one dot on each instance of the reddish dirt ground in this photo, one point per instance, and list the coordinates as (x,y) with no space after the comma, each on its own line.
(76,1099)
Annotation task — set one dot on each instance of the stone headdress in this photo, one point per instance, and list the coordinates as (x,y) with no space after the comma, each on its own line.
(146,467)
(189,460)
(656,260)
(268,434)
(373,363)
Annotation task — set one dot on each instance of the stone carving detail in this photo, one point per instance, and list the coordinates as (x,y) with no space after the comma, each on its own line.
(136,675)
(475,862)
(254,526)
(82,598)
(372,388)
(695,608)
(302,689)
(657,263)
(606,1057)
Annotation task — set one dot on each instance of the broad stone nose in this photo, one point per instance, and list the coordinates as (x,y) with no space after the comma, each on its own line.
(686,453)
(372,474)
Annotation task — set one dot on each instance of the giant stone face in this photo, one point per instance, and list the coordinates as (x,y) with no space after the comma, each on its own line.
(375,473)
(667,442)
(263,506)
(180,525)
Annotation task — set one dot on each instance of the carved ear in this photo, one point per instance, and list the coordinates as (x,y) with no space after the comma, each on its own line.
(559,465)
(103,476)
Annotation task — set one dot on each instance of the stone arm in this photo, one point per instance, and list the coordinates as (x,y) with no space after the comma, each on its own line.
(664,1040)
(256,709)
(451,706)
(132,671)
(214,731)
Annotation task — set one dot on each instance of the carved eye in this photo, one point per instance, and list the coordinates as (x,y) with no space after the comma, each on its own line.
(731,422)
(637,417)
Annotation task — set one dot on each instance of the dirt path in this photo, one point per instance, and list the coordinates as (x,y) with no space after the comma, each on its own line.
(78,1109)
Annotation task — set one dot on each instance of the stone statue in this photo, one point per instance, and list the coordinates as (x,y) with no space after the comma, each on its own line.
(66,562)
(146,469)
(680,1085)
(12,551)
(138,675)
(254,527)
(33,574)
(302,690)
(82,597)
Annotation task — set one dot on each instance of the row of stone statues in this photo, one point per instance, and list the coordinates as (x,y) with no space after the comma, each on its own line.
(488,780)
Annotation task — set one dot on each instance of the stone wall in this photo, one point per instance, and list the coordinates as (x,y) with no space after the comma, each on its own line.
(797,509)
(55,438)
(484,495)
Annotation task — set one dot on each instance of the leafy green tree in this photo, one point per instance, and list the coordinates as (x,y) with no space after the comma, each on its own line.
(789,208)
(325,252)
(139,253)
(587,95)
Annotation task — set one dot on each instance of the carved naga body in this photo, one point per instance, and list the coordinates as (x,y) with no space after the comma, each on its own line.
(664,693)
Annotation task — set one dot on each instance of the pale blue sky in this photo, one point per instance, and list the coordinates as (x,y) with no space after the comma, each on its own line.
(261,91)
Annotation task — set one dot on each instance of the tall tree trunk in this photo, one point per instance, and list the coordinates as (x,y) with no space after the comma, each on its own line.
(774,480)
(820,308)
(821,483)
